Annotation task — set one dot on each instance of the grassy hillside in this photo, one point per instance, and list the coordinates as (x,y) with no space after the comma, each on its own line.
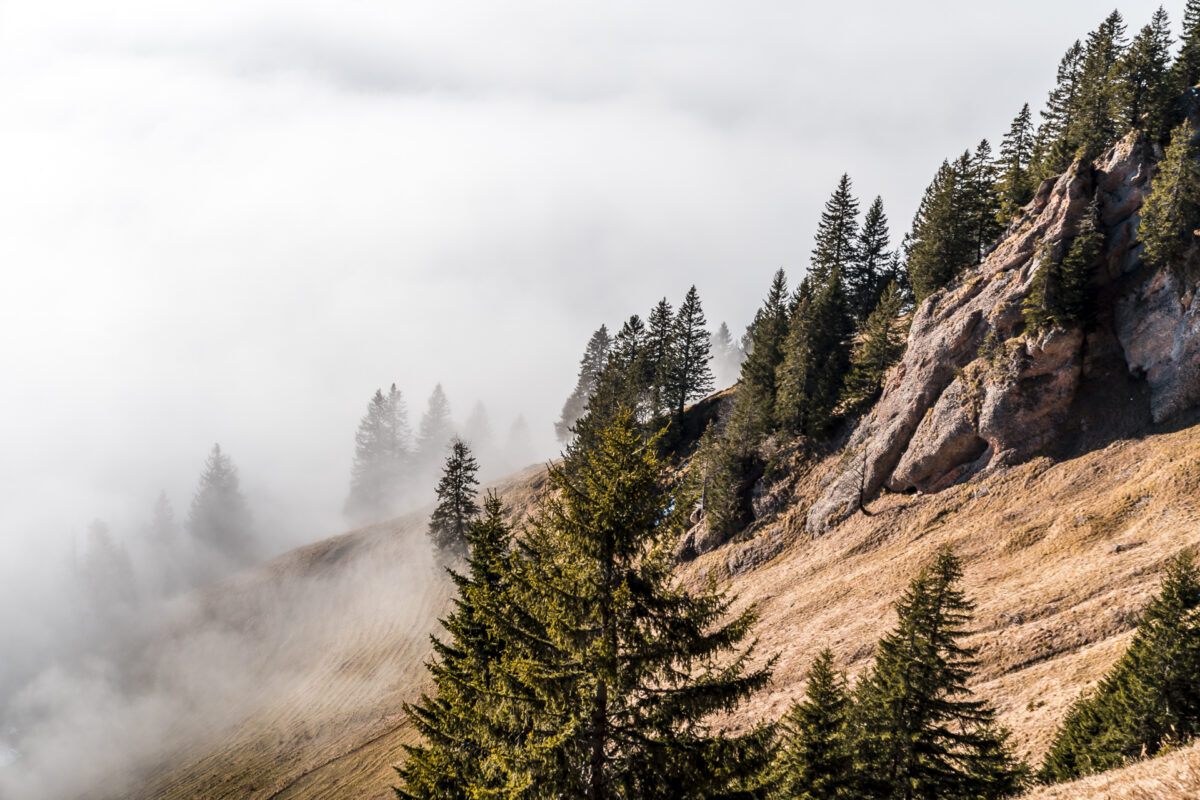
(1060,557)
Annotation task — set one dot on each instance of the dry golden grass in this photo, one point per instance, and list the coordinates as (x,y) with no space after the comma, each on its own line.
(1174,776)
(1059,556)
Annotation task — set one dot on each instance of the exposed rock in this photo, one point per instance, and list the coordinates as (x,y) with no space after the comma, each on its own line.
(949,410)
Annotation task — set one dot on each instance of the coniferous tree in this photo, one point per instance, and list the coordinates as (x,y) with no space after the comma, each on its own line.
(1186,69)
(381,454)
(727,357)
(944,240)
(691,376)
(918,733)
(872,259)
(983,200)
(880,346)
(1151,696)
(815,362)
(628,370)
(436,430)
(837,234)
(219,516)
(1058,297)
(659,346)
(457,720)
(591,366)
(624,667)
(1144,94)
(1052,146)
(815,761)
(755,404)
(719,462)
(1015,183)
(477,432)
(1171,213)
(1094,123)
(456,507)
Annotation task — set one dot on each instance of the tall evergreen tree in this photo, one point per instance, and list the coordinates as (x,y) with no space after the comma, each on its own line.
(456,721)
(1094,124)
(625,666)
(437,429)
(815,362)
(591,366)
(768,333)
(1186,69)
(814,761)
(629,370)
(691,376)
(1058,297)
(983,201)
(872,259)
(219,516)
(944,240)
(919,735)
(456,507)
(1144,93)
(1016,183)
(880,346)
(1151,696)
(659,347)
(1171,213)
(381,454)
(1052,146)
(837,234)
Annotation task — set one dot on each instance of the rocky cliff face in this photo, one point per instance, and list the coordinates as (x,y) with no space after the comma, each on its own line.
(975,390)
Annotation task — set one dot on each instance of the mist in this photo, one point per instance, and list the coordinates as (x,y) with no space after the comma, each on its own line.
(233,222)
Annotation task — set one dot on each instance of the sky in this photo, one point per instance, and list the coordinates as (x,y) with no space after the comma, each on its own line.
(232,221)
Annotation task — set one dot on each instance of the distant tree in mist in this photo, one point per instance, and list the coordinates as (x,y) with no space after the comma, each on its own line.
(478,430)
(519,451)
(456,506)
(106,573)
(591,367)
(381,458)
(219,517)
(437,428)
(727,357)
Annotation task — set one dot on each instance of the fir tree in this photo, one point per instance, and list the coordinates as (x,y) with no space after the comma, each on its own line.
(1058,296)
(1171,213)
(919,735)
(872,258)
(1186,69)
(944,240)
(1015,184)
(624,666)
(1144,94)
(436,429)
(815,363)
(983,201)
(1094,124)
(453,761)
(456,506)
(1053,148)
(837,233)
(814,761)
(629,370)
(1151,696)
(219,517)
(880,346)
(591,366)
(690,374)
(755,403)
(659,347)
(381,454)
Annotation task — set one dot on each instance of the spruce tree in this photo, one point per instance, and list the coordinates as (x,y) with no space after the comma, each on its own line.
(660,332)
(436,429)
(919,733)
(691,376)
(814,367)
(1052,146)
(1015,184)
(944,240)
(591,366)
(620,667)
(457,720)
(1058,296)
(1094,124)
(880,346)
(1151,696)
(1144,94)
(983,201)
(456,507)
(872,258)
(837,234)
(219,516)
(755,405)
(1171,213)
(1186,69)
(380,458)
(629,369)
(814,760)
